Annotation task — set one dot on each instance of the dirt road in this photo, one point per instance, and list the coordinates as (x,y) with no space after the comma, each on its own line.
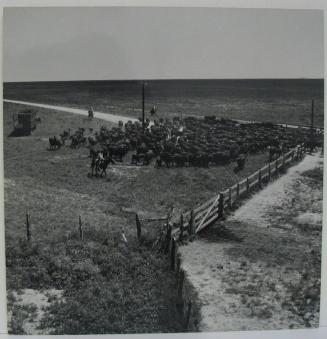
(260,269)
(104,116)
(107,116)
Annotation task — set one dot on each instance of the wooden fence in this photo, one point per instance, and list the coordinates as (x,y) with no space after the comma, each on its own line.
(202,216)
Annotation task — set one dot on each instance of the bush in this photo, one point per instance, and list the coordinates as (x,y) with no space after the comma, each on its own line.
(108,288)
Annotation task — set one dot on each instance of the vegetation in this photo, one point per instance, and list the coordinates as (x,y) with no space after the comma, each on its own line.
(286,277)
(109,287)
(279,100)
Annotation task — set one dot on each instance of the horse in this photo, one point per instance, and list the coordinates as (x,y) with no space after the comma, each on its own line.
(118,151)
(54,143)
(64,136)
(240,162)
(102,165)
(77,140)
(180,159)
(274,152)
(164,157)
(146,157)
(312,144)
(92,140)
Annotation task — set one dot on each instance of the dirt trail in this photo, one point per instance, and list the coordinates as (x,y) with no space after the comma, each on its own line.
(104,116)
(115,118)
(31,305)
(260,268)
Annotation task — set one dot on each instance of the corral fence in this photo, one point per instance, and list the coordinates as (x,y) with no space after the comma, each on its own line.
(197,219)
(192,222)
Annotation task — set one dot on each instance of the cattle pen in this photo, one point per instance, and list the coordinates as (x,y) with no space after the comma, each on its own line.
(205,214)
(178,230)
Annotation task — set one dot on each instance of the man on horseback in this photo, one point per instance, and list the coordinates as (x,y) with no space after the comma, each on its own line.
(91,112)
(99,159)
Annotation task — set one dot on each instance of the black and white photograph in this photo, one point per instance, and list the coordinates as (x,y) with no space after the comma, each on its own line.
(163,169)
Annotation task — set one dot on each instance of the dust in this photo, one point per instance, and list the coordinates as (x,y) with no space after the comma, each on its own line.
(277,194)
(125,171)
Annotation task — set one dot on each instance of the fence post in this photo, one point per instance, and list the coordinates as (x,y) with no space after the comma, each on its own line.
(180,284)
(172,254)
(191,227)
(276,165)
(81,233)
(247,185)
(230,198)
(260,179)
(181,228)
(168,237)
(138,228)
(178,264)
(221,205)
(269,172)
(238,190)
(188,315)
(293,155)
(28,227)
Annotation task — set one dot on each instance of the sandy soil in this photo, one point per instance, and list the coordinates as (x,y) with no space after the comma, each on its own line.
(104,116)
(260,268)
(36,300)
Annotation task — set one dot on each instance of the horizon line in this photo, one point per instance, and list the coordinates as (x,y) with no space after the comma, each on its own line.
(164,79)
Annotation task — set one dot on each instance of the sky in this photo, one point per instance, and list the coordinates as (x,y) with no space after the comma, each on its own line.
(113,43)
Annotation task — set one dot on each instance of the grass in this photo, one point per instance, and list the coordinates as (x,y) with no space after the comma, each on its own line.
(282,101)
(108,287)
(281,267)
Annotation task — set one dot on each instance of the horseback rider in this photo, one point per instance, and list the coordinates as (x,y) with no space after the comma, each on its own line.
(98,160)
(91,112)
(100,156)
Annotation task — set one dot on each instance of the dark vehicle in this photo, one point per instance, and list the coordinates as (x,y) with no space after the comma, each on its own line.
(24,122)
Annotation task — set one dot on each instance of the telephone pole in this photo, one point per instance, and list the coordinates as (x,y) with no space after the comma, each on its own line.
(312,112)
(143,109)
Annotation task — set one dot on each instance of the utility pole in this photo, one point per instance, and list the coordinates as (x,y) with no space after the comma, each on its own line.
(312,112)
(312,129)
(143,109)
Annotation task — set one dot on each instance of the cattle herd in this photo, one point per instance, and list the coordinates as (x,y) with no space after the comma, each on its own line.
(191,141)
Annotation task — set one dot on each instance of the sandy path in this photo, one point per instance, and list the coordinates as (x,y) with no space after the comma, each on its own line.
(99,115)
(107,116)
(38,301)
(242,285)
(273,195)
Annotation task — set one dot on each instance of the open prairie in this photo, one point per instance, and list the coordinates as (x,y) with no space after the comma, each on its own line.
(280,101)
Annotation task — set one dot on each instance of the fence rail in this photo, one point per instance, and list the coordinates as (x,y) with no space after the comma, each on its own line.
(203,215)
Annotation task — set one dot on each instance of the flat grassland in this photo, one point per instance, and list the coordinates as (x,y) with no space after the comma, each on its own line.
(107,286)
(275,100)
